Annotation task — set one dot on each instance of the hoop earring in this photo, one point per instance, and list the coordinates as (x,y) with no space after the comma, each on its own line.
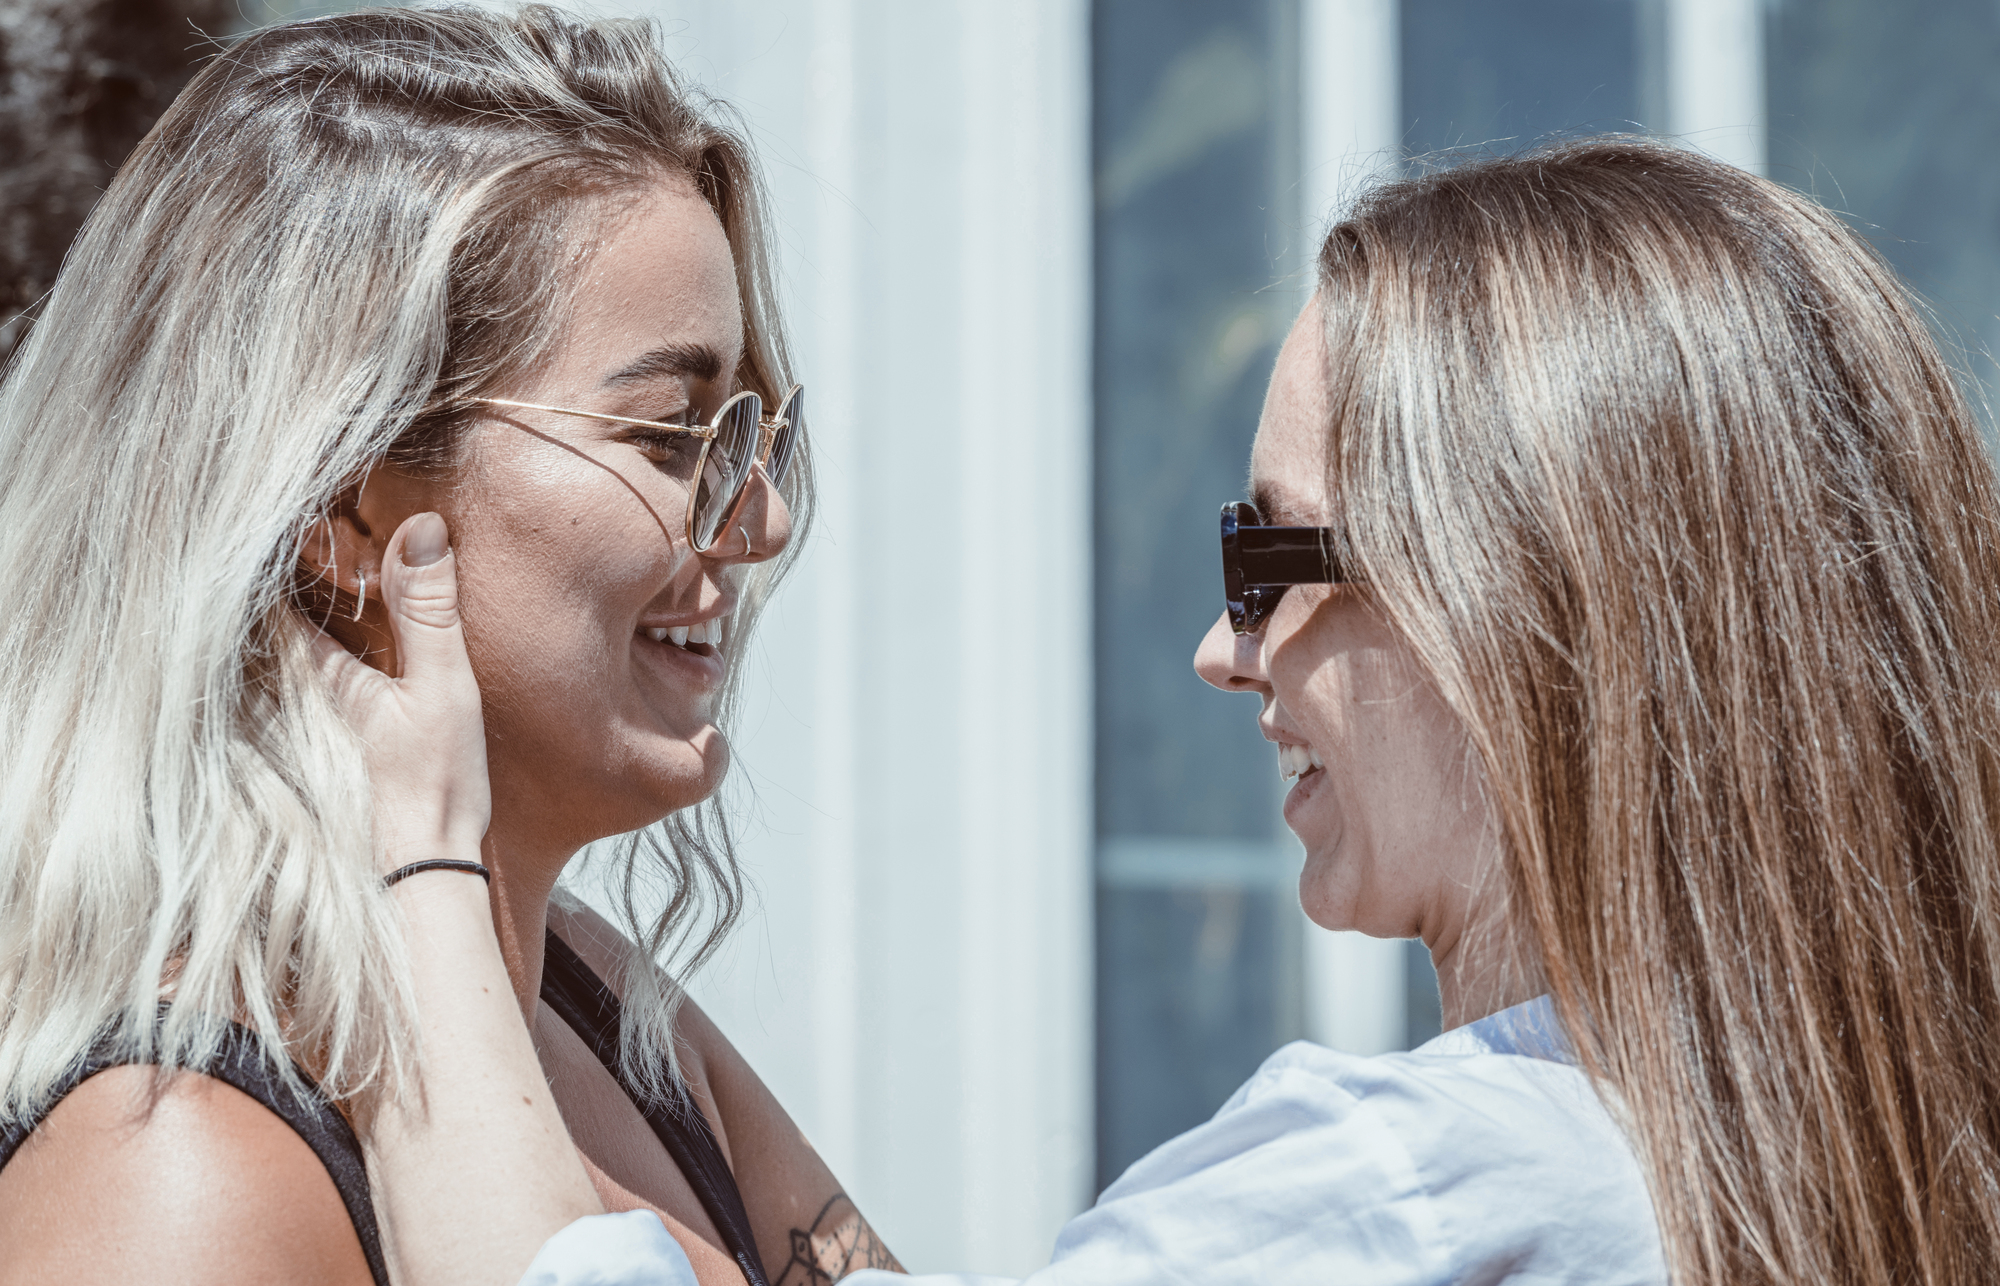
(360,594)
(747,551)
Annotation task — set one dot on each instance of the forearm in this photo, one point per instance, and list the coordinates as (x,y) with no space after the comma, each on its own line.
(473,1168)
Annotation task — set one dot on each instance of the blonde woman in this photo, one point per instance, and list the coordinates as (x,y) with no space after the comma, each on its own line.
(484,291)
(1619,591)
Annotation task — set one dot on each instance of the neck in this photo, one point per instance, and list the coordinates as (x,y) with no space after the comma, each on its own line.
(522,883)
(1480,972)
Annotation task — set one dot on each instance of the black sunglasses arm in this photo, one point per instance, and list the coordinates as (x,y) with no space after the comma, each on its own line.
(1259,563)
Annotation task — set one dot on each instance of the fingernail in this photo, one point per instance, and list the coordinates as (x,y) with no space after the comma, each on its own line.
(427,542)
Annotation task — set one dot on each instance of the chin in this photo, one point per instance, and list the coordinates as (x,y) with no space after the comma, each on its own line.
(1324,911)
(1334,919)
(1322,898)
(637,780)
(685,771)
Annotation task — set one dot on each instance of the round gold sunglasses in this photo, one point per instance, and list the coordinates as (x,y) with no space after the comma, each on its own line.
(737,439)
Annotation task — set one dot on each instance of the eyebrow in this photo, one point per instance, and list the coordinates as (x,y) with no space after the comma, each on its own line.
(1276,511)
(670,361)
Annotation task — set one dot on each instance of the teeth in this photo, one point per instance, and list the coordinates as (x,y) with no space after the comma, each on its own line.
(705,632)
(1293,761)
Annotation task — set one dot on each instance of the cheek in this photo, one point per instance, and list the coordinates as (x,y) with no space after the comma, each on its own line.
(1311,672)
(535,650)
(549,600)
(1387,742)
(1388,828)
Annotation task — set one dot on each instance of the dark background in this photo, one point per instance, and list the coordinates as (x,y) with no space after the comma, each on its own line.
(81,81)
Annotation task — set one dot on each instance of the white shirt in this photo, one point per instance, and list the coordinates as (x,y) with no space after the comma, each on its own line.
(632,1249)
(1484,1156)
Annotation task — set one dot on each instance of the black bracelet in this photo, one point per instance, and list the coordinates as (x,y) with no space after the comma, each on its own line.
(436,864)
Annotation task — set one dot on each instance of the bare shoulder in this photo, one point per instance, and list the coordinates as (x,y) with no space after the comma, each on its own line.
(705,1051)
(808,1230)
(602,946)
(205,1184)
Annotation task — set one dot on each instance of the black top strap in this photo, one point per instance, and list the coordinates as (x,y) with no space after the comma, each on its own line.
(580,998)
(240,1062)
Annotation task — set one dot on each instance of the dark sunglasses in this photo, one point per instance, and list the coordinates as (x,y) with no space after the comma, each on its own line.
(1260,563)
(735,441)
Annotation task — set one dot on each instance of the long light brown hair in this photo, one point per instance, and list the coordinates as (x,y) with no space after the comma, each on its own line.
(1659,470)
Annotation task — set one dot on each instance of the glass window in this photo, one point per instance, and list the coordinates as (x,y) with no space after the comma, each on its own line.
(1200,948)
(1501,73)
(1197,923)
(1891,114)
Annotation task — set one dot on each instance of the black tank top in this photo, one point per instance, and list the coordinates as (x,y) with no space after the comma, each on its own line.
(577,996)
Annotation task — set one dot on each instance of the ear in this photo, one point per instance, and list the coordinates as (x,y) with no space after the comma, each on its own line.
(340,561)
(340,556)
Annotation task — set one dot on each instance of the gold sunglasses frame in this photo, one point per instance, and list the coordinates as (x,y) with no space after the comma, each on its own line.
(768,428)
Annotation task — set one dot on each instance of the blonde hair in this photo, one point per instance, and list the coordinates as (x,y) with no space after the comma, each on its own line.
(343,229)
(1658,469)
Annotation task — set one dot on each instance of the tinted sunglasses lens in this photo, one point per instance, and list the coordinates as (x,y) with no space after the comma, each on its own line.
(1233,595)
(1259,602)
(793,413)
(724,469)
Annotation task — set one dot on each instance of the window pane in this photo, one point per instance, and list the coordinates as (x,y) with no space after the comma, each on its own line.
(1891,113)
(1203,990)
(1193,127)
(1502,72)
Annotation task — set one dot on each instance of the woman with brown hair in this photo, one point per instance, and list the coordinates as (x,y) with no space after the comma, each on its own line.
(1620,590)
(1651,474)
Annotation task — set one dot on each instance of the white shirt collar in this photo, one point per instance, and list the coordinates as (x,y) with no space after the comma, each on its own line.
(1529,1029)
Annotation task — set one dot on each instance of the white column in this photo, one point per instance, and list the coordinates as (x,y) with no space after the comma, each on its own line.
(1351,132)
(1714,76)
(1356,994)
(1020,403)
(913,756)
(1350,106)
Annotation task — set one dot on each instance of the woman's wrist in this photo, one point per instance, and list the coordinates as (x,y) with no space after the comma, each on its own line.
(451,865)
(481,1107)
(428,897)
(458,856)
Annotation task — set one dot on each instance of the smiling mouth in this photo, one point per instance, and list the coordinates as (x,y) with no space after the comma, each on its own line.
(1297,761)
(701,638)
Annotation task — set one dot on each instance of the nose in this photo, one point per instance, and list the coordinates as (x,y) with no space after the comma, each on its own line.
(1231,661)
(761,527)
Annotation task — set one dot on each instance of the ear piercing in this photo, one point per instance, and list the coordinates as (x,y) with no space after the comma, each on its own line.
(360,593)
(747,551)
